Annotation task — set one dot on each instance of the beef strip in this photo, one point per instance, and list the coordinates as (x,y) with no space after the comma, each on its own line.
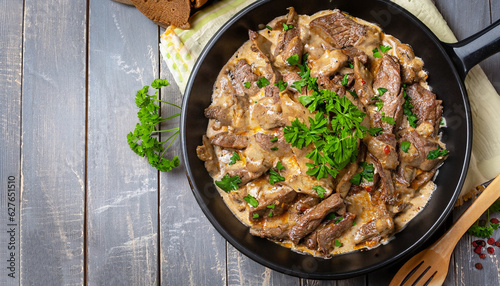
(354,53)
(242,73)
(289,42)
(425,106)
(311,218)
(329,63)
(418,151)
(387,184)
(277,148)
(338,29)
(207,154)
(374,230)
(229,110)
(422,179)
(262,47)
(344,183)
(278,233)
(331,231)
(274,204)
(388,77)
(363,84)
(230,140)
(383,147)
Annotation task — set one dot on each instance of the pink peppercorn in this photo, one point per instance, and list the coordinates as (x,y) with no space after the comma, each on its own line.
(491,250)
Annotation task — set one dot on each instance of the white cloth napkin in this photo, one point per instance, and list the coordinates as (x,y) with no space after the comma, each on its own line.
(180,49)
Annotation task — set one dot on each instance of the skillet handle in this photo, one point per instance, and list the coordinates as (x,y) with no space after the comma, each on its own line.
(472,50)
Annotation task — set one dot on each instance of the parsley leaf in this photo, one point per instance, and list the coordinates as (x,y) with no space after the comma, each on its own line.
(407,106)
(367,174)
(281,85)
(320,191)
(376,53)
(381,90)
(339,220)
(405,145)
(384,49)
(275,177)
(337,243)
(271,206)
(274,139)
(436,153)
(345,80)
(228,184)
(372,131)
(255,216)
(234,158)
(495,207)
(287,27)
(262,82)
(279,166)
(247,84)
(251,201)
(269,28)
(388,119)
(293,60)
(274,149)
(144,139)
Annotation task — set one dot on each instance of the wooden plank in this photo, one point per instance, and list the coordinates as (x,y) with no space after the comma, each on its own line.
(477,17)
(356,281)
(53,143)
(11,29)
(491,66)
(241,270)
(122,208)
(192,251)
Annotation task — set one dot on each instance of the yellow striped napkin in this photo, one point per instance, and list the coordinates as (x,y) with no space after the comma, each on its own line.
(180,49)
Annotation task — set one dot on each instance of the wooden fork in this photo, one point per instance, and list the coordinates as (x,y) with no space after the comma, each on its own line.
(430,266)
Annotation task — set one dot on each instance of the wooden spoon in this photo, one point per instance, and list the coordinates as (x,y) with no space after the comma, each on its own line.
(430,266)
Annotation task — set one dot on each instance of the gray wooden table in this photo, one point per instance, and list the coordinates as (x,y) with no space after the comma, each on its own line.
(77,206)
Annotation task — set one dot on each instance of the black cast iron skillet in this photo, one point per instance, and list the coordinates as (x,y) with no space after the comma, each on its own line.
(447,66)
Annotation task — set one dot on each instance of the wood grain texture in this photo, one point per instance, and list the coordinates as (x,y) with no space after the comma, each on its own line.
(241,270)
(356,281)
(192,251)
(122,208)
(11,29)
(492,65)
(53,143)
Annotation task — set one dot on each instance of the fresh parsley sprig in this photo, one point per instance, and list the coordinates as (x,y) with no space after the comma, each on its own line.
(485,231)
(144,139)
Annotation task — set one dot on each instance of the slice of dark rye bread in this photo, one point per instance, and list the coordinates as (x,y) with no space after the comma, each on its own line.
(167,12)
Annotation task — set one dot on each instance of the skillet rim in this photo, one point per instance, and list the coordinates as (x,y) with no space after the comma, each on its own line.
(388,262)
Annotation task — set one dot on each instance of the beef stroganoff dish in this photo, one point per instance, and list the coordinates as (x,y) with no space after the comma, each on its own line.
(323,134)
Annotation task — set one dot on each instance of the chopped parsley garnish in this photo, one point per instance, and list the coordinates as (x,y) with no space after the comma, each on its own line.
(287,27)
(353,223)
(405,145)
(281,85)
(234,158)
(228,184)
(442,122)
(279,166)
(345,80)
(407,106)
(293,60)
(338,243)
(384,49)
(269,28)
(353,93)
(271,206)
(274,139)
(350,65)
(247,84)
(381,90)
(274,148)
(270,214)
(388,119)
(436,153)
(331,216)
(339,220)
(373,131)
(275,177)
(379,104)
(320,191)
(255,216)
(367,174)
(334,130)
(251,201)
(263,82)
